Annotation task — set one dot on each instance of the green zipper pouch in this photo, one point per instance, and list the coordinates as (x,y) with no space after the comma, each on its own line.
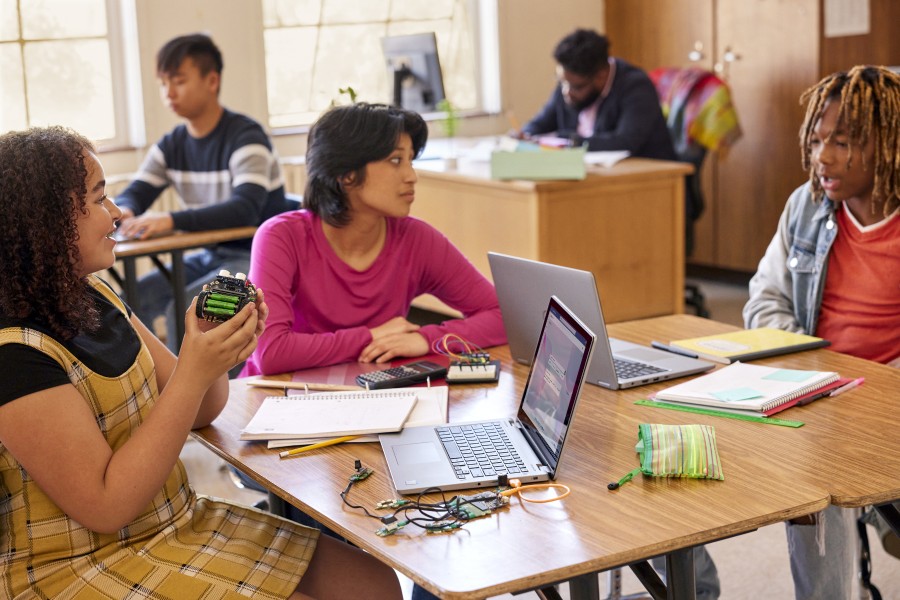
(676,451)
(679,451)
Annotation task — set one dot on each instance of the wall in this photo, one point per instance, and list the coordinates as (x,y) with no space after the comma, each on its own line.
(881,46)
(528,31)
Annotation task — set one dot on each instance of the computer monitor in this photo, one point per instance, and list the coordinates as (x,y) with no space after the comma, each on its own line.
(414,71)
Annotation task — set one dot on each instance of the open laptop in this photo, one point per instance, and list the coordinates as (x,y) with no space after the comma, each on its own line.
(522,288)
(527,447)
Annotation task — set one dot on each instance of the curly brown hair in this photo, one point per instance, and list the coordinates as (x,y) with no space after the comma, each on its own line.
(43,181)
(869,108)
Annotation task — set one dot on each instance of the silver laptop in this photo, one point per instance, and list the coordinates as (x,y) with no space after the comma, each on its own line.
(524,285)
(527,447)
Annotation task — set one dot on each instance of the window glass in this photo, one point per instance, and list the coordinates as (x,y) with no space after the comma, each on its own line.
(54,19)
(422,9)
(12,94)
(353,11)
(316,48)
(368,79)
(287,77)
(285,13)
(55,67)
(79,72)
(9,21)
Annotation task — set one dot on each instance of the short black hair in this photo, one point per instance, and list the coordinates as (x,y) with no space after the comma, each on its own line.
(200,47)
(583,52)
(342,142)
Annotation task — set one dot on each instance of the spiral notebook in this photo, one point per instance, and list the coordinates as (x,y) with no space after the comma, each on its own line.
(430,409)
(331,414)
(753,388)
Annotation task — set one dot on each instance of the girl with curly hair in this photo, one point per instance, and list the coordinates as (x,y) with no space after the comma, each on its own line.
(94,411)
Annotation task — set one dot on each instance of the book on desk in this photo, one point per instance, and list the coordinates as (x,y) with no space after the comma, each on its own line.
(748,344)
(751,389)
(284,421)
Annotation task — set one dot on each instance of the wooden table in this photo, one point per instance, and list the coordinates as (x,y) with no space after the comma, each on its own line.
(175,244)
(845,454)
(625,224)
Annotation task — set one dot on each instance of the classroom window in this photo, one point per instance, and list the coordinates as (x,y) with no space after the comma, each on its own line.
(57,67)
(316,47)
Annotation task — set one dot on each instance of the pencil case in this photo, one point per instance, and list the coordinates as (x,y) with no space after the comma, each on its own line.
(679,451)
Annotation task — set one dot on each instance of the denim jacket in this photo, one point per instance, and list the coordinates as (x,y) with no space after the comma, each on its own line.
(786,292)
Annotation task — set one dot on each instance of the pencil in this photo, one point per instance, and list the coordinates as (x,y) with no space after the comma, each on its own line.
(302,385)
(331,442)
(513,121)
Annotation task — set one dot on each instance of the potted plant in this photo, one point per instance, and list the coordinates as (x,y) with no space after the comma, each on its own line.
(450,125)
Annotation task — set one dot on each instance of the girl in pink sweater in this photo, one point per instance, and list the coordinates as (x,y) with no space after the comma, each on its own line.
(340,275)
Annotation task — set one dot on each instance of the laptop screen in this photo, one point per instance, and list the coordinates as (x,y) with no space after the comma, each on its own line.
(554,382)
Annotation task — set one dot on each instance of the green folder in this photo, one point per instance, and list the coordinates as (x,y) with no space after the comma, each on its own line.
(566,163)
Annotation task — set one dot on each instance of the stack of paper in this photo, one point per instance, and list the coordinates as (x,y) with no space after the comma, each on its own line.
(310,418)
(753,389)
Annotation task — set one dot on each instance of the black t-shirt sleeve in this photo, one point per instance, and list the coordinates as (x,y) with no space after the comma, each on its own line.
(27,371)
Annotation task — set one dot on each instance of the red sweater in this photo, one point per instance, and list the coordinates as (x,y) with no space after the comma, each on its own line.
(860,311)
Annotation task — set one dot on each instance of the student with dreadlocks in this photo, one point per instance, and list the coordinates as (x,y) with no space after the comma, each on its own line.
(833,268)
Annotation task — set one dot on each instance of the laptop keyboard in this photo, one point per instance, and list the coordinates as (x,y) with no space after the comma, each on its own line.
(480,450)
(626,369)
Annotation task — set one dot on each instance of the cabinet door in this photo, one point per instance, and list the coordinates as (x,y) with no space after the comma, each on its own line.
(661,33)
(671,33)
(767,52)
(774,57)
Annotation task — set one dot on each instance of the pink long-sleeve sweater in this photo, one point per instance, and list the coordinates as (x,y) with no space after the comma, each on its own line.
(321,309)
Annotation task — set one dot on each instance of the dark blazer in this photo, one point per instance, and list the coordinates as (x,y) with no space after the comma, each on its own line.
(629,118)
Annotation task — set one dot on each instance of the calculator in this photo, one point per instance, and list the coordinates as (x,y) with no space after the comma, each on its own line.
(408,374)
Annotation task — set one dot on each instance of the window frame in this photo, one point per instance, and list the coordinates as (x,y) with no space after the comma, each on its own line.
(121,43)
(484,28)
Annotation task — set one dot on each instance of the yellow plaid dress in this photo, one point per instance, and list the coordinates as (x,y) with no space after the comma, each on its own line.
(183,546)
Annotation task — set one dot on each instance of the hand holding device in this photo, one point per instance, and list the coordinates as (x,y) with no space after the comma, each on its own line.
(224,296)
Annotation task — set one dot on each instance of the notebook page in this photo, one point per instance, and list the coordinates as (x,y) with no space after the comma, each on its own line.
(330,414)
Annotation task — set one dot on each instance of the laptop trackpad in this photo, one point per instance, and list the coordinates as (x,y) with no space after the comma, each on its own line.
(416,454)
(641,354)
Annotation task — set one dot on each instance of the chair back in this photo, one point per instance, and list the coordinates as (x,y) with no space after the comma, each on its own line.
(700,117)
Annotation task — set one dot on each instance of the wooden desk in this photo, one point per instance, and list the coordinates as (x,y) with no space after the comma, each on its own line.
(129,251)
(625,224)
(771,474)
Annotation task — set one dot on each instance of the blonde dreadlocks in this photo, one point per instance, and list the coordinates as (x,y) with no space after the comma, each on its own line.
(869,109)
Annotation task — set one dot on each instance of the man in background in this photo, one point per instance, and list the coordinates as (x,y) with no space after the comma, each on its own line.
(603,101)
(222,165)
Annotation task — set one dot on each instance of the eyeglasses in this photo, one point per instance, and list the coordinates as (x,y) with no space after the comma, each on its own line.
(575,84)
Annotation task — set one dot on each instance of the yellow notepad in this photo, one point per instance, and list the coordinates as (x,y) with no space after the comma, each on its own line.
(748,344)
(331,414)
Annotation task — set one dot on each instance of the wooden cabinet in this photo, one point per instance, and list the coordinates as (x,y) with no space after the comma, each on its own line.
(767,51)
(625,224)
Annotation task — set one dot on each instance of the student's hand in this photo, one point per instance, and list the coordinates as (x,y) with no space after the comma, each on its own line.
(519,134)
(262,312)
(209,350)
(391,346)
(147,225)
(395,325)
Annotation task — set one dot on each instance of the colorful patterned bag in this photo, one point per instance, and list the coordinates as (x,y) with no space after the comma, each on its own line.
(676,451)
